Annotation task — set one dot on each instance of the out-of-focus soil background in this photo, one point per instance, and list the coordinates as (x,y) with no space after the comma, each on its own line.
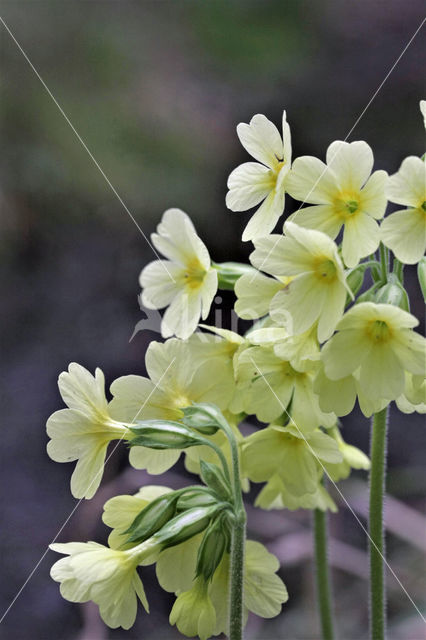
(155,89)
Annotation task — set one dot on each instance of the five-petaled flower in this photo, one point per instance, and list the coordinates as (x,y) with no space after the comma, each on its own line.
(343,194)
(185,283)
(264,180)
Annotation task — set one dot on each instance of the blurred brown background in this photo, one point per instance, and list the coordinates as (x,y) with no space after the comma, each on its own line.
(155,90)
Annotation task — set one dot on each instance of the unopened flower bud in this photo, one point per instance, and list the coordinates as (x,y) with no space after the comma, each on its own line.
(154,516)
(229,272)
(214,478)
(195,497)
(213,545)
(185,525)
(393,293)
(164,434)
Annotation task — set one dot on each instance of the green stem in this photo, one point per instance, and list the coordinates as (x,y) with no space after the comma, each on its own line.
(383,262)
(237,547)
(377,539)
(237,579)
(398,269)
(323,575)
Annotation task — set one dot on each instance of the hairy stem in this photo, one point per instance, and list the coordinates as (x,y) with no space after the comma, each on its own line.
(237,548)
(237,579)
(323,575)
(377,539)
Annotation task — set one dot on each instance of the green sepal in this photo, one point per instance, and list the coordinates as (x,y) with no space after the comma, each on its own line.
(369,295)
(215,542)
(393,293)
(196,497)
(164,434)
(204,415)
(229,272)
(214,478)
(185,525)
(421,274)
(154,516)
(355,280)
(196,418)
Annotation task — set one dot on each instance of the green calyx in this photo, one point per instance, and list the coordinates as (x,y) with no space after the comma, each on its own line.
(164,434)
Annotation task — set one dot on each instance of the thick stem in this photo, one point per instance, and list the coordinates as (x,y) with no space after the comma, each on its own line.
(237,579)
(323,575)
(377,539)
(237,548)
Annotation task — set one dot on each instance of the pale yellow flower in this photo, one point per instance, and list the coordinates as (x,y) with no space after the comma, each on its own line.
(175,381)
(343,194)
(275,495)
(405,230)
(293,456)
(317,291)
(264,180)
(254,294)
(193,612)
(264,592)
(83,431)
(185,283)
(269,383)
(106,576)
(120,511)
(376,342)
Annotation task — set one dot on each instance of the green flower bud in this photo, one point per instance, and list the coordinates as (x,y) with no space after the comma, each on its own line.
(185,525)
(164,434)
(421,274)
(195,497)
(198,419)
(368,295)
(213,545)
(204,416)
(214,478)
(229,272)
(393,293)
(154,516)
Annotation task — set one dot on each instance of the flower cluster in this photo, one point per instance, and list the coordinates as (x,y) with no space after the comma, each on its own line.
(323,338)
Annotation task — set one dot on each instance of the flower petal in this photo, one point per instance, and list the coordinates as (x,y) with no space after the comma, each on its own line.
(321,217)
(361,237)
(373,197)
(408,186)
(351,162)
(405,233)
(248,185)
(264,220)
(310,180)
(262,140)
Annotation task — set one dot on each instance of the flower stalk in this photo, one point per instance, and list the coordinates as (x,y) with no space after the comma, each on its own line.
(237,547)
(323,581)
(376,531)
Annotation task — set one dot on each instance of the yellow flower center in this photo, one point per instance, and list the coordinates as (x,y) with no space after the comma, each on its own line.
(423,206)
(346,205)
(325,270)
(194,274)
(279,166)
(180,400)
(379,331)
